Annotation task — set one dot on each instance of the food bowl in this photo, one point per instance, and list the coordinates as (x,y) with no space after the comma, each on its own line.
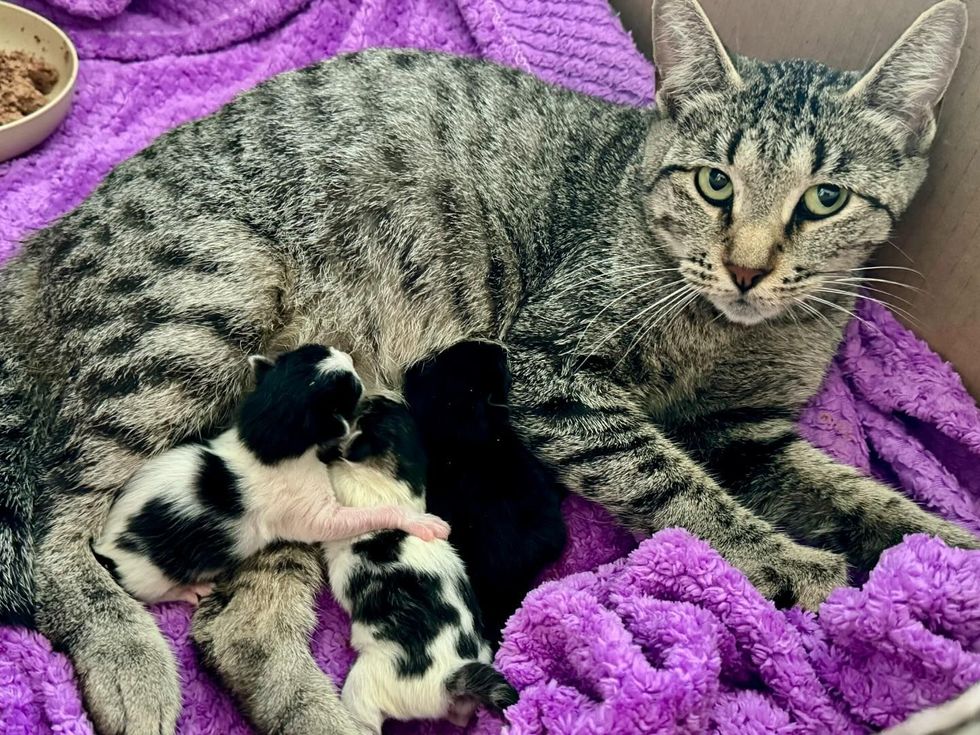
(22,30)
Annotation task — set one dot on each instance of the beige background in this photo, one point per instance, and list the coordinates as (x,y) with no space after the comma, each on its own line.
(941,232)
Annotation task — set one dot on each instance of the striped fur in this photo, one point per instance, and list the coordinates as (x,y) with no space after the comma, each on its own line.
(392,203)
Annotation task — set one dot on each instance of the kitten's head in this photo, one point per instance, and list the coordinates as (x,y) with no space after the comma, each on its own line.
(385,435)
(303,398)
(768,181)
(460,394)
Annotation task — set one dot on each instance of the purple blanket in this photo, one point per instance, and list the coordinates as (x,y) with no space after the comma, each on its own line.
(670,639)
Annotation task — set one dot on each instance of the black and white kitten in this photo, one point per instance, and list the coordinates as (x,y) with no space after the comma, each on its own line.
(200,508)
(503,504)
(415,622)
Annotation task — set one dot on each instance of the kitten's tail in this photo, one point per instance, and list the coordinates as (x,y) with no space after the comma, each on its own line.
(483,683)
(16,497)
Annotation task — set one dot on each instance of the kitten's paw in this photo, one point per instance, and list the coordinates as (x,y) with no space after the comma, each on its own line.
(190,593)
(798,575)
(129,678)
(427,527)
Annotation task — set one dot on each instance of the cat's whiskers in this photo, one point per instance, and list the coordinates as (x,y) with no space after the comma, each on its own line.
(814,312)
(639,315)
(877,268)
(686,294)
(837,307)
(633,271)
(899,249)
(679,310)
(656,285)
(857,284)
(904,312)
(862,280)
(610,304)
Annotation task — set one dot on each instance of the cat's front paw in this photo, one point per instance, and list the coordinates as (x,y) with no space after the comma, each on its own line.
(955,536)
(130,681)
(797,575)
(427,526)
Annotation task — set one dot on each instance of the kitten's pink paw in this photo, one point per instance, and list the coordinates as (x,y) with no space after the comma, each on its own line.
(428,527)
(201,590)
(190,593)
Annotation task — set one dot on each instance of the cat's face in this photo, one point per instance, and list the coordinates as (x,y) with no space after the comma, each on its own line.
(770,183)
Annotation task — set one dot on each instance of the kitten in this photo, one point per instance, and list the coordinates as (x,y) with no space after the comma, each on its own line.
(415,622)
(199,509)
(504,506)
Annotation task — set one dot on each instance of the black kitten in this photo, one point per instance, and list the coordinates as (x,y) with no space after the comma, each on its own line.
(504,506)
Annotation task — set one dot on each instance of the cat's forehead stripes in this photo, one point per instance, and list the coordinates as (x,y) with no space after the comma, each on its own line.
(778,104)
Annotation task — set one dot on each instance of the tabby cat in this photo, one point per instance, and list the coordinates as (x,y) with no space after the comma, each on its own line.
(671,284)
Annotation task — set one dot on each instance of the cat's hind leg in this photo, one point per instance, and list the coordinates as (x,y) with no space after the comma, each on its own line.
(155,347)
(254,631)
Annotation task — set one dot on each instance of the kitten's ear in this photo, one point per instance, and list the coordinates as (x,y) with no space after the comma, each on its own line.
(688,55)
(260,366)
(910,79)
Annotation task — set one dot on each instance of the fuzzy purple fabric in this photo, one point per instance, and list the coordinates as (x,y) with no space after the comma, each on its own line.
(670,637)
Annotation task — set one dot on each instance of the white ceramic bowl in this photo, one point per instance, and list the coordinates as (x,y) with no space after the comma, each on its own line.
(22,30)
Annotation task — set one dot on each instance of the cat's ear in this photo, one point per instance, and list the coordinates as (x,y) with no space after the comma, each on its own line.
(909,81)
(688,55)
(260,366)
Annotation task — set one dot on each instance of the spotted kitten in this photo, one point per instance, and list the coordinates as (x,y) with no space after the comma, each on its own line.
(415,623)
(198,510)
(393,203)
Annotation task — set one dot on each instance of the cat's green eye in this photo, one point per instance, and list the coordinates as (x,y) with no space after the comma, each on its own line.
(823,200)
(714,185)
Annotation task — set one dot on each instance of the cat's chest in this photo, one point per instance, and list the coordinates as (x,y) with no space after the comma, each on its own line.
(718,367)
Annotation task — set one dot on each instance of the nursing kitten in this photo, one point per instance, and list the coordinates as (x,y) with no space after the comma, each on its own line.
(502,503)
(414,620)
(199,509)
(656,274)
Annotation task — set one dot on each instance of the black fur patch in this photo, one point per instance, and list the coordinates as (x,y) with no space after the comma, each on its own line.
(295,406)
(386,428)
(736,461)
(467,646)
(483,682)
(403,606)
(217,487)
(329,452)
(384,547)
(733,145)
(185,548)
(108,564)
(504,505)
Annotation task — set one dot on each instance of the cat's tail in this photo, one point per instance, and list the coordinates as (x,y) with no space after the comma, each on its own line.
(17,599)
(481,683)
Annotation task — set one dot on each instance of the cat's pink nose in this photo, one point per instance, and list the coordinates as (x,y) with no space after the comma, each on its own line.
(746,278)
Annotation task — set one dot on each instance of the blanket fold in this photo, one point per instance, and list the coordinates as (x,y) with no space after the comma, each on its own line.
(671,638)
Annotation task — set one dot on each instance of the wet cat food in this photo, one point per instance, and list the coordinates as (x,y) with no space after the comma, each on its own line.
(24,80)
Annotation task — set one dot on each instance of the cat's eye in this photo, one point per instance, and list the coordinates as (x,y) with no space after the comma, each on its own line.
(823,200)
(714,185)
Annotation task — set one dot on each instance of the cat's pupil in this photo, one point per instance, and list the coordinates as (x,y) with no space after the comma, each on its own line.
(718,180)
(828,194)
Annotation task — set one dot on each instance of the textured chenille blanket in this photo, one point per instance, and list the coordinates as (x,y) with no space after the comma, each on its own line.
(661,638)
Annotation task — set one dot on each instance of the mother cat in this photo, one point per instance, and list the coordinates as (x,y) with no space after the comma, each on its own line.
(660,276)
